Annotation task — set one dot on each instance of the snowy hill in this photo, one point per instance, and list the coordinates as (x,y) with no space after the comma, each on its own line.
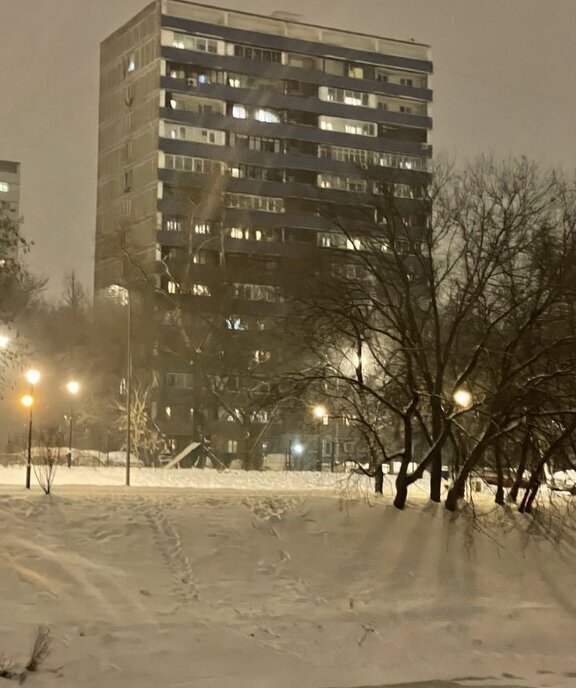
(152,587)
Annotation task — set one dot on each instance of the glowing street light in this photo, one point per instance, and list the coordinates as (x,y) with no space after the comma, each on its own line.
(319,412)
(33,376)
(4,341)
(463,398)
(73,387)
(297,448)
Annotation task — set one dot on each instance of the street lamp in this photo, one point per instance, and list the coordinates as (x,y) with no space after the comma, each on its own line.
(73,387)
(127,301)
(463,398)
(321,414)
(33,376)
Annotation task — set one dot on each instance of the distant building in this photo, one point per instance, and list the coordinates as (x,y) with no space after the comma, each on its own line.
(10,189)
(286,114)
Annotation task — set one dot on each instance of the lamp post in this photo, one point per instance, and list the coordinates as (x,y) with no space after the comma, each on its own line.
(321,414)
(128,386)
(464,400)
(33,376)
(128,302)
(73,387)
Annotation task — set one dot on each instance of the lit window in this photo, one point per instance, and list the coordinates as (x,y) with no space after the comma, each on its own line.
(233,322)
(353,244)
(239,112)
(173,224)
(4,187)
(262,356)
(200,290)
(232,446)
(171,287)
(168,412)
(203,228)
(131,64)
(266,116)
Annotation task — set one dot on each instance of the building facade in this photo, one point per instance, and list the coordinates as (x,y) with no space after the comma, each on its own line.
(10,189)
(222,136)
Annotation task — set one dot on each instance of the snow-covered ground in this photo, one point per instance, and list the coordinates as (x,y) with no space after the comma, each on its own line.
(275,581)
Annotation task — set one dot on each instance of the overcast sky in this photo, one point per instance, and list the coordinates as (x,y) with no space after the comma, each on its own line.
(504,82)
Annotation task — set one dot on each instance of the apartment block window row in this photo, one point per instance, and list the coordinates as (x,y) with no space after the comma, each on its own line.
(331,181)
(250,202)
(401,78)
(198,43)
(256,143)
(250,82)
(251,233)
(261,54)
(338,240)
(346,97)
(258,113)
(367,158)
(195,134)
(398,190)
(407,108)
(190,164)
(267,174)
(193,289)
(258,292)
(348,126)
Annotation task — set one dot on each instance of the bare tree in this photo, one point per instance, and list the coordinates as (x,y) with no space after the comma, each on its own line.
(476,300)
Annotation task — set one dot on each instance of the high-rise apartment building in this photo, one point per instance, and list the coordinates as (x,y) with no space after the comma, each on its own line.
(221,135)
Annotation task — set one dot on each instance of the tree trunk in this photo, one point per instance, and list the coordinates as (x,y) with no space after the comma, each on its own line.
(401,490)
(456,492)
(513,495)
(499,499)
(379,479)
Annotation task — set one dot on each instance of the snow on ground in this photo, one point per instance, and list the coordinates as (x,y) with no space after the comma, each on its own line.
(307,586)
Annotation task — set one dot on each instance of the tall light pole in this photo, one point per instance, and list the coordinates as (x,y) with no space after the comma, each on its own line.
(33,376)
(128,385)
(319,412)
(73,387)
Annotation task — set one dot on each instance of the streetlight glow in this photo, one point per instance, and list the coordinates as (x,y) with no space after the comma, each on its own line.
(27,400)
(462,398)
(319,411)
(297,448)
(4,341)
(73,387)
(33,376)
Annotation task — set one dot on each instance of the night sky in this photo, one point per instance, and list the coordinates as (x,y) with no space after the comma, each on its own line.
(505,82)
